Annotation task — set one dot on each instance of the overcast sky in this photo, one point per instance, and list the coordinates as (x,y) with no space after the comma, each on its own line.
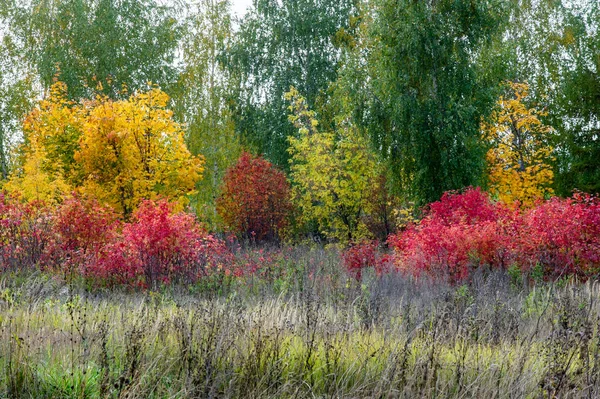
(239,6)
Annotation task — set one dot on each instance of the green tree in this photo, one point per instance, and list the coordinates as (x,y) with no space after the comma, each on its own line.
(114,43)
(554,45)
(282,44)
(16,90)
(425,94)
(201,97)
(577,107)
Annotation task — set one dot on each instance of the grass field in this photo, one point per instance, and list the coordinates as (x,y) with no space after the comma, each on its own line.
(313,336)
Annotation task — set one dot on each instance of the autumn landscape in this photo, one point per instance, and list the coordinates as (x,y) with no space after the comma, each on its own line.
(299,199)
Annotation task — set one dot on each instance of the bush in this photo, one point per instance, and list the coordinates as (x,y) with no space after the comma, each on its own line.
(255,199)
(463,232)
(81,227)
(562,236)
(24,233)
(159,246)
(458,233)
(362,256)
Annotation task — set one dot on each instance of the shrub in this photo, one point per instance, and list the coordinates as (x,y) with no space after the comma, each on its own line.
(255,200)
(158,246)
(458,233)
(81,227)
(362,256)
(462,232)
(562,236)
(24,232)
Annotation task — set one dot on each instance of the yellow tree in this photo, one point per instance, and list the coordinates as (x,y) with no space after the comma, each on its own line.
(51,132)
(132,149)
(519,154)
(119,151)
(32,182)
(333,174)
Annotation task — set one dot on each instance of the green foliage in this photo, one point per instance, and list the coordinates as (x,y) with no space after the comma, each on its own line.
(578,108)
(98,44)
(425,97)
(16,91)
(201,100)
(282,44)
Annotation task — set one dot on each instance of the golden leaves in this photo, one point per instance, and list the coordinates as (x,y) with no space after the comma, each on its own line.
(119,151)
(519,156)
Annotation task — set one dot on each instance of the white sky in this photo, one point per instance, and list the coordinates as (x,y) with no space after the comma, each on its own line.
(239,6)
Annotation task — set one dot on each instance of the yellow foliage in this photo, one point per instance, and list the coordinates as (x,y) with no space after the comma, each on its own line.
(132,150)
(34,183)
(333,174)
(119,151)
(519,156)
(48,131)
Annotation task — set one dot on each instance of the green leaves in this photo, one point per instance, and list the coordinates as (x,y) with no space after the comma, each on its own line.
(101,45)
(426,99)
(280,44)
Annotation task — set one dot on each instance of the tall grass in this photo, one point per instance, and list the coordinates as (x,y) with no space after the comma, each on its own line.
(323,335)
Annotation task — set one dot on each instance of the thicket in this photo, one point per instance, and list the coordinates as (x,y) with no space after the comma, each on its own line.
(459,235)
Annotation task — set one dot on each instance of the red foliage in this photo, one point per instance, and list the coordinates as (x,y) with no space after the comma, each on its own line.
(364,255)
(458,233)
(470,207)
(465,231)
(159,246)
(24,233)
(81,227)
(255,200)
(562,235)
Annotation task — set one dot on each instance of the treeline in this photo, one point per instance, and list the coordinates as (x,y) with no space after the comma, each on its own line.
(371,108)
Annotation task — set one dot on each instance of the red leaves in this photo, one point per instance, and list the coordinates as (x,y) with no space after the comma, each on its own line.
(24,233)
(459,233)
(81,227)
(255,200)
(465,231)
(562,235)
(470,207)
(159,246)
(84,237)
(364,255)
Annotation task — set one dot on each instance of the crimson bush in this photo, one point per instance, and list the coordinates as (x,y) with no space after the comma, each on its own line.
(80,229)
(466,231)
(158,246)
(363,255)
(24,233)
(255,199)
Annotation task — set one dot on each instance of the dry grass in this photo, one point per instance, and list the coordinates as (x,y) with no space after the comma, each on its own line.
(384,338)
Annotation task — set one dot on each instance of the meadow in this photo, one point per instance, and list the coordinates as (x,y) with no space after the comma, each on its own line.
(310,330)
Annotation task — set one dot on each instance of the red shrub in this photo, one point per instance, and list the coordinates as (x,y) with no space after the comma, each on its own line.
(562,235)
(81,227)
(255,200)
(159,246)
(470,207)
(458,233)
(465,231)
(24,233)
(364,255)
